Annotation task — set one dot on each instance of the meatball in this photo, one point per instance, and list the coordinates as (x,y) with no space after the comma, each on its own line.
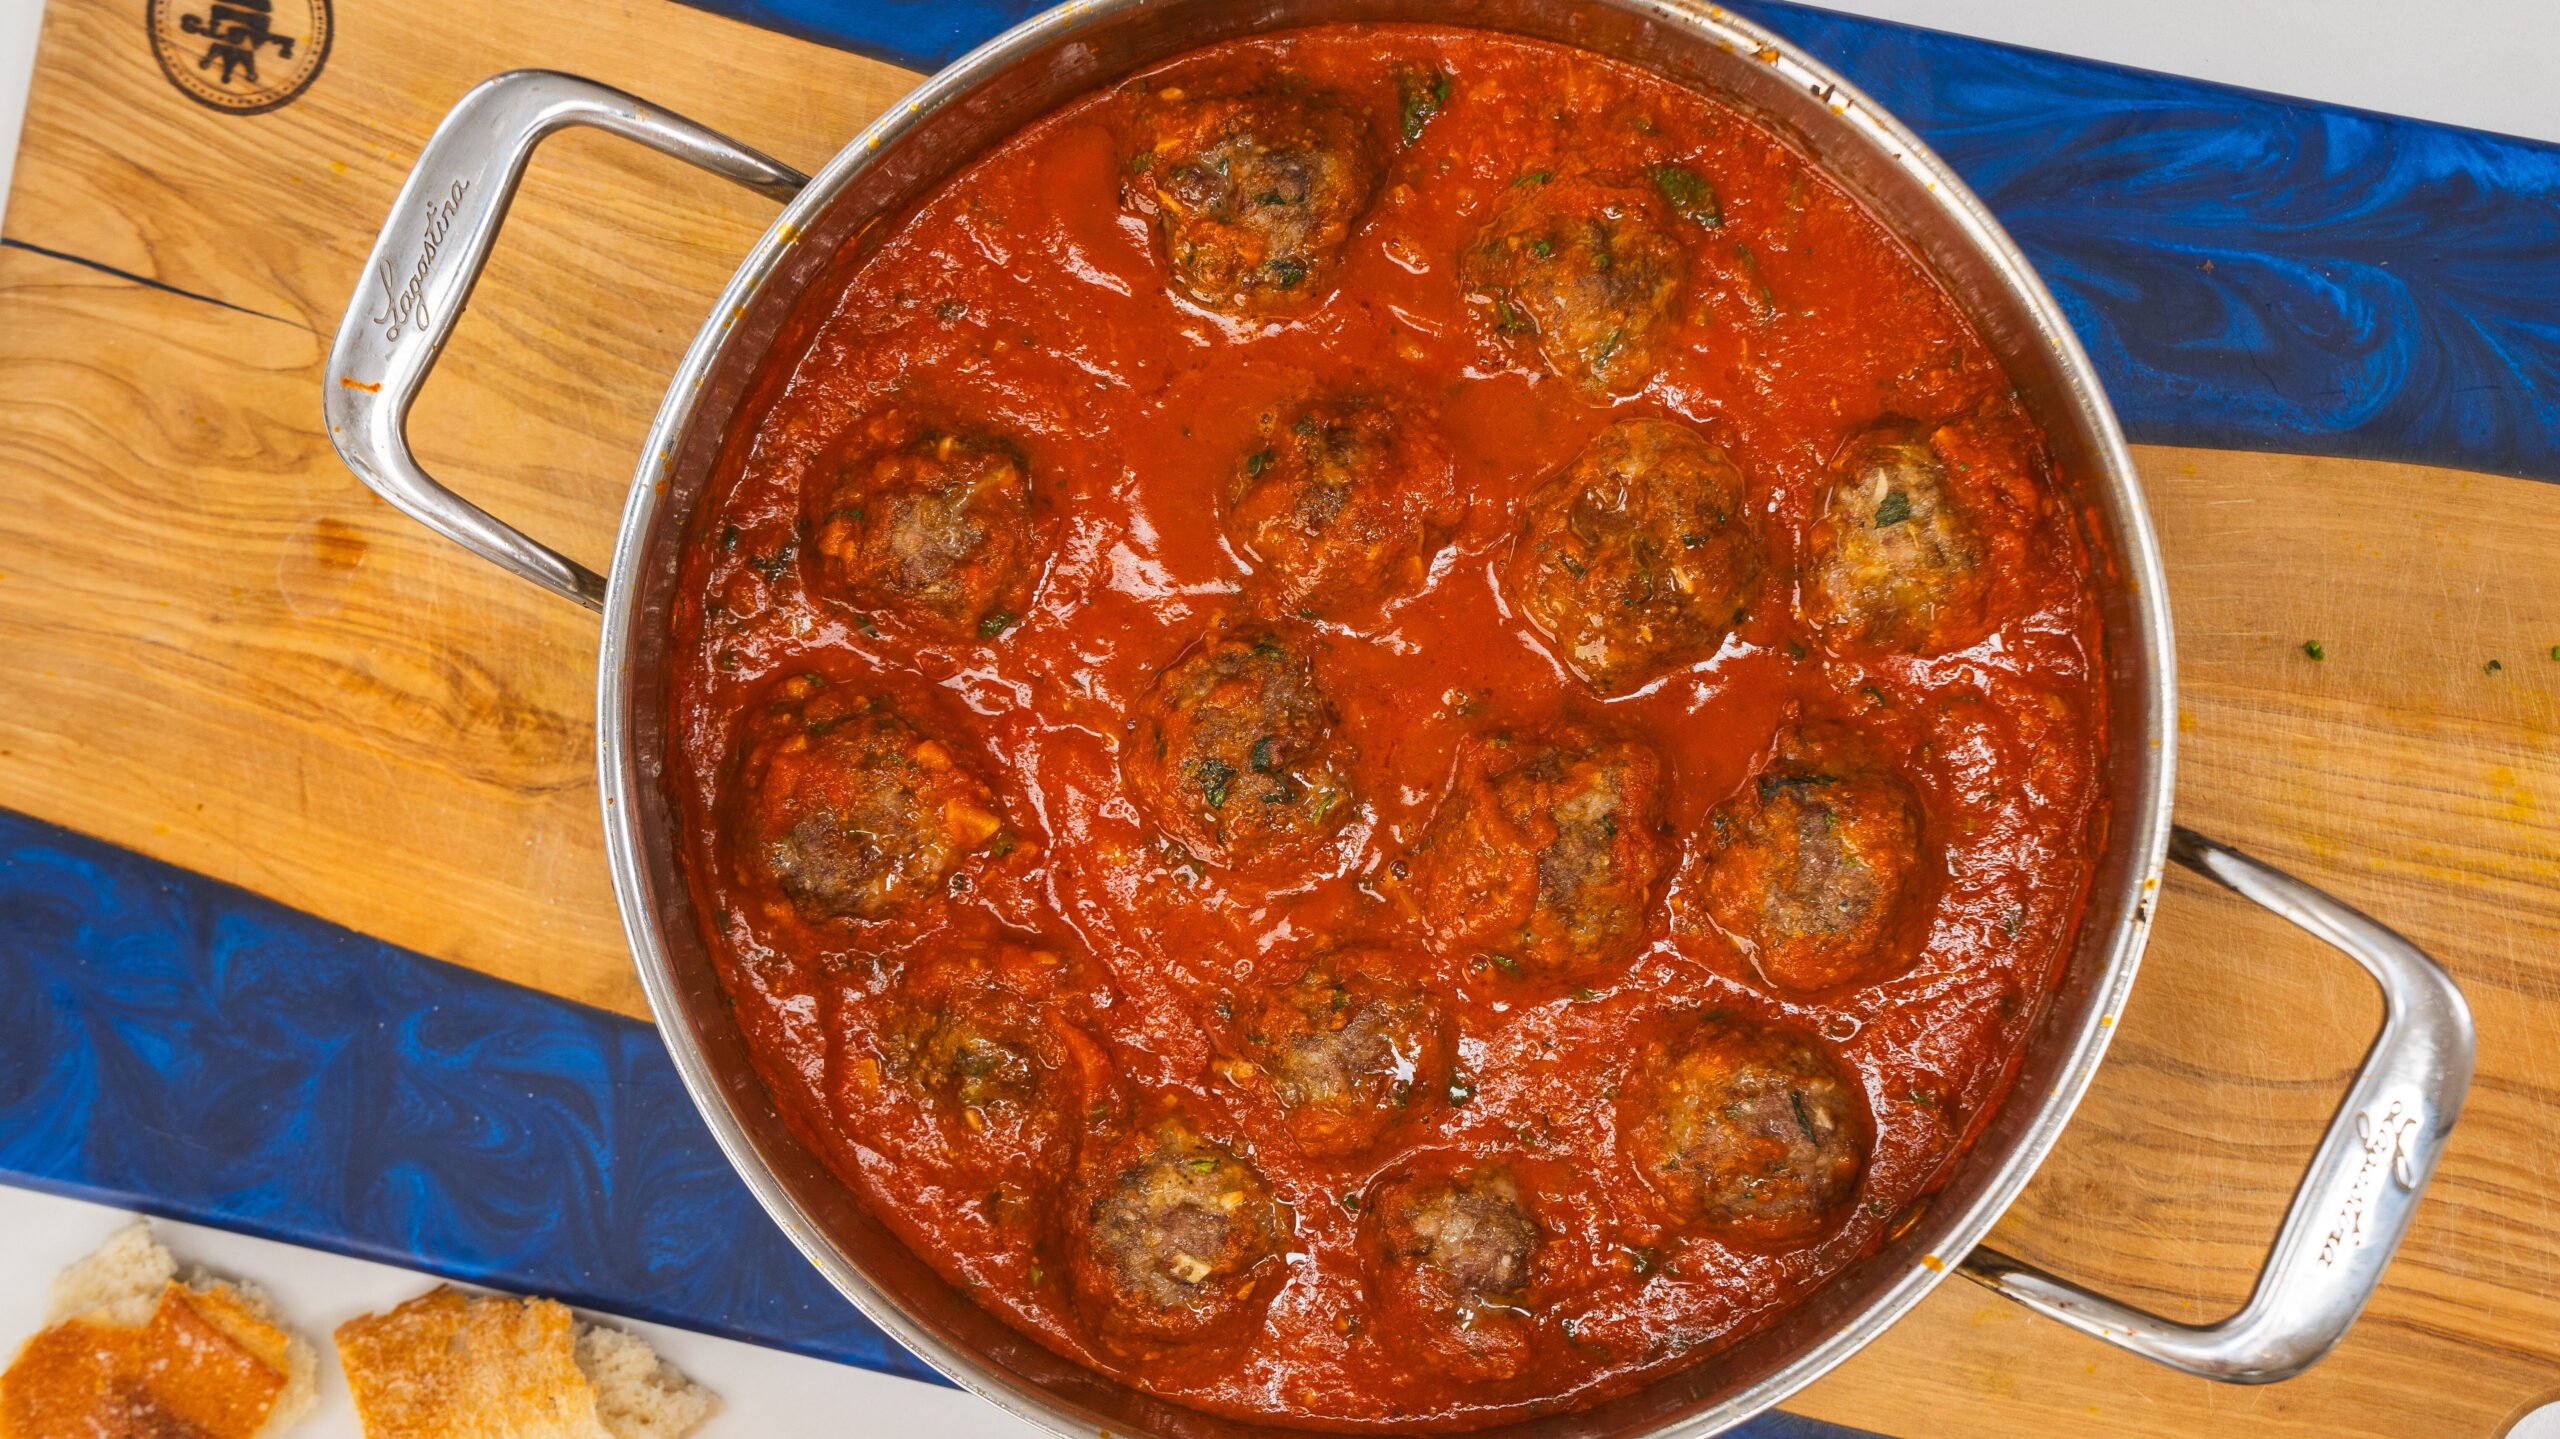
(1170,1242)
(1547,849)
(977,1038)
(1896,558)
(1815,862)
(1344,1055)
(1344,504)
(849,810)
(1235,754)
(1749,1132)
(1637,560)
(1473,1237)
(1256,194)
(932,525)
(969,1057)
(965,1040)
(1589,272)
(1453,1258)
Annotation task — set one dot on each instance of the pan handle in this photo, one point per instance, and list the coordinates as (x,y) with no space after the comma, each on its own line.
(430,254)
(2364,1183)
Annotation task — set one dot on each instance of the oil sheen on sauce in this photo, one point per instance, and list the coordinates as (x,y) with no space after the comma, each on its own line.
(1028,297)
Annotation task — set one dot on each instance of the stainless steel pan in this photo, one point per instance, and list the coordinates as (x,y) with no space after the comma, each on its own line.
(2364,1183)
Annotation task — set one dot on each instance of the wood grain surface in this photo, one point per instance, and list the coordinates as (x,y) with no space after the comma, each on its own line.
(217,648)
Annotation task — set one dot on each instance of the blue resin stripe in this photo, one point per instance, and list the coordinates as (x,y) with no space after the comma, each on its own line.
(2248,272)
(172,1044)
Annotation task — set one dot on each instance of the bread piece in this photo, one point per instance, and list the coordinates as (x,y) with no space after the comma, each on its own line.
(638,1394)
(130,1349)
(446,1365)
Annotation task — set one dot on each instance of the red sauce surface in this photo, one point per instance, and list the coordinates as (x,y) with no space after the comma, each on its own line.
(1028,297)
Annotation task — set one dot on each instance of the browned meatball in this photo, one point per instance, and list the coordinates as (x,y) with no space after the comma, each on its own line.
(964,1039)
(1235,753)
(1896,558)
(1345,1055)
(1637,560)
(930,524)
(1588,272)
(1816,861)
(1453,1258)
(1171,1240)
(1256,194)
(1343,503)
(1747,1131)
(976,1034)
(1546,851)
(849,810)
(969,1056)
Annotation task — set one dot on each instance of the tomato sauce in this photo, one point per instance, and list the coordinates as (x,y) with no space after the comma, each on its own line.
(1029,297)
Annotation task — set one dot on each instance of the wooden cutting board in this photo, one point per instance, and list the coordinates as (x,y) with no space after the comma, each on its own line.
(217,648)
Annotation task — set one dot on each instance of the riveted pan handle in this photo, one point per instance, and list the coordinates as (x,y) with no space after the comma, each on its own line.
(430,254)
(2364,1183)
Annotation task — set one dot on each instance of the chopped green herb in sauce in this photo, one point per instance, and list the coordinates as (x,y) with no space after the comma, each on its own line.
(1424,93)
(1217,780)
(1691,197)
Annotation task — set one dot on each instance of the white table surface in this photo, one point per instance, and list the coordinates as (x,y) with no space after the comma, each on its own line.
(2491,64)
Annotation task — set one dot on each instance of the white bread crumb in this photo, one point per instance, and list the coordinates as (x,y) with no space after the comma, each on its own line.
(120,1284)
(638,1394)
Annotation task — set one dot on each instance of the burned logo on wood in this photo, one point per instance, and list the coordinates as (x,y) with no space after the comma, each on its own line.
(242,57)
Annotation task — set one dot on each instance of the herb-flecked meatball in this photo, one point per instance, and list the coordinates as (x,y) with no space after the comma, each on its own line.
(1637,560)
(851,810)
(1345,1055)
(1256,194)
(975,1034)
(965,1038)
(1453,1257)
(930,524)
(1588,272)
(1236,755)
(1170,1242)
(1895,558)
(1816,861)
(1547,850)
(1343,503)
(1748,1131)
